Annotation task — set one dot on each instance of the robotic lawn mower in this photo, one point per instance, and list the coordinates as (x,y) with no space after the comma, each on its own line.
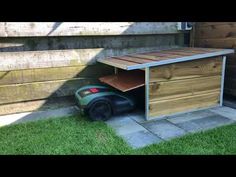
(100,102)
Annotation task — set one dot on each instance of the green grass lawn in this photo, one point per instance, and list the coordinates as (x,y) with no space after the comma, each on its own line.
(77,135)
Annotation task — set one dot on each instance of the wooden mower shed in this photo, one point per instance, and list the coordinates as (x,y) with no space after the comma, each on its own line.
(176,80)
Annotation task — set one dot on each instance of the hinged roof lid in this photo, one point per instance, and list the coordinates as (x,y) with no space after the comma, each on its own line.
(162,57)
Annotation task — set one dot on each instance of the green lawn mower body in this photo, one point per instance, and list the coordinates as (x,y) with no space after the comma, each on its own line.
(100,102)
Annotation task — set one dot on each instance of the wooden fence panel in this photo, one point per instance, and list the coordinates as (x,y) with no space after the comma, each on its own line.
(219,35)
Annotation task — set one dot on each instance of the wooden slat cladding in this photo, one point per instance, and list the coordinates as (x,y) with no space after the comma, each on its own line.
(226,30)
(39,105)
(177,88)
(61,58)
(193,69)
(41,90)
(133,59)
(50,74)
(216,42)
(204,24)
(184,86)
(172,106)
(219,35)
(84,42)
(58,58)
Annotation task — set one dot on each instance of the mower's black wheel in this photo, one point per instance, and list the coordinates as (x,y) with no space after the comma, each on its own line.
(100,110)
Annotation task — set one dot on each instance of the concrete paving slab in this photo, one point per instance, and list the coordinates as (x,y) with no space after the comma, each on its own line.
(164,129)
(120,120)
(139,133)
(213,121)
(124,125)
(225,111)
(129,128)
(190,116)
(190,126)
(38,115)
(141,139)
(204,123)
(138,116)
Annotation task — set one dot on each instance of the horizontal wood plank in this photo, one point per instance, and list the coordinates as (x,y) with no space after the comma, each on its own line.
(219,35)
(190,69)
(41,90)
(37,105)
(50,74)
(229,43)
(17,44)
(180,88)
(155,56)
(204,24)
(133,59)
(216,31)
(20,29)
(173,106)
(60,58)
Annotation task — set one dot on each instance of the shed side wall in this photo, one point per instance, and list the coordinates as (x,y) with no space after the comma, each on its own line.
(184,86)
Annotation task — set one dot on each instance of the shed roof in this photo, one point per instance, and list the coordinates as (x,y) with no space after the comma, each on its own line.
(162,57)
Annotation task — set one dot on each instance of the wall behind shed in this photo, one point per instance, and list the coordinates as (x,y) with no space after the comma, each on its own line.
(44,60)
(219,35)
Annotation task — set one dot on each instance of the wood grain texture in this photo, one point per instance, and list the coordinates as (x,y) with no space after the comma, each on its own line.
(226,30)
(186,87)
(204,24)
(229,43)
(17,44)
(60,58)
(172,106)
(22,29)
(39,105)
(190,69)
(219,35)
(44,60)
(133,59)
(50,74)
(155,56)
(41,90)
(125,80)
